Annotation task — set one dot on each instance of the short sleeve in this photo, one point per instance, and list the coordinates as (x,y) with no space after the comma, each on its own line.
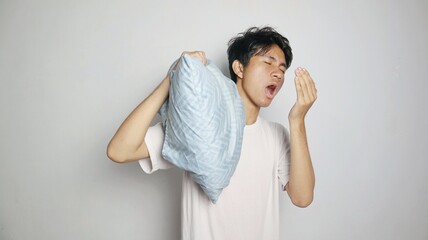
(154,141)
(284,160)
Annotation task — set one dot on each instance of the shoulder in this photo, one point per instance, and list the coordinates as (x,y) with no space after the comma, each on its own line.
(278,133)
(274,128)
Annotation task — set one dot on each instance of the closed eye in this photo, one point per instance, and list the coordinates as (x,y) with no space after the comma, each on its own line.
(281,68)
(270,59)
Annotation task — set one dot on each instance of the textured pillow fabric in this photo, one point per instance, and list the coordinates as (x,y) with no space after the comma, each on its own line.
(204,121)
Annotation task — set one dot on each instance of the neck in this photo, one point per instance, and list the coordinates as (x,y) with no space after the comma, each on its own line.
(251,109)
(251,114)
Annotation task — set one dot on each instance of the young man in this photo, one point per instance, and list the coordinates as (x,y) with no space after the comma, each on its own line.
(271,157)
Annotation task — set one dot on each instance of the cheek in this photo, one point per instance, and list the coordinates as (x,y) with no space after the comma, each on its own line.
(280,85)
(256,71)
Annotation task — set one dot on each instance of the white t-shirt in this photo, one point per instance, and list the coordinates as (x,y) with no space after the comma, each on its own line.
(249,207)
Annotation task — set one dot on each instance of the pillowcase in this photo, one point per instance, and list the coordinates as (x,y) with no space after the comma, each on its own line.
(203,120)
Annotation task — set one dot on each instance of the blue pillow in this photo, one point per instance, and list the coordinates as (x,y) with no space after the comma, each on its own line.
(203,119)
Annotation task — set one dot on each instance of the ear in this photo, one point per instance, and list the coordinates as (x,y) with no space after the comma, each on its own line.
(238,69)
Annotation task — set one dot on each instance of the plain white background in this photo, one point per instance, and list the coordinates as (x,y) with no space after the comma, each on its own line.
(71,71)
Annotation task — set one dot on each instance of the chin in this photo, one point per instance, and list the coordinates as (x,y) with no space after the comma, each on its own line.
(265,103)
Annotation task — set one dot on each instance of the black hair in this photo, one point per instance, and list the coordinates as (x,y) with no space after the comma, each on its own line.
(256,41)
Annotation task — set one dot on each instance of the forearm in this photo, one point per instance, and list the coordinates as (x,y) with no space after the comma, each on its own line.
(128,142)
(302,178)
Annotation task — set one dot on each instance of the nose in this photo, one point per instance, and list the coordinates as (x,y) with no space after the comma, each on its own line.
(278,74)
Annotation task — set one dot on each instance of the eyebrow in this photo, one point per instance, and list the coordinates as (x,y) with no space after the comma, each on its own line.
(276,60)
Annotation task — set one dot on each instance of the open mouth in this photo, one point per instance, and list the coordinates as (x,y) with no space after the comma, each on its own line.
(271,90)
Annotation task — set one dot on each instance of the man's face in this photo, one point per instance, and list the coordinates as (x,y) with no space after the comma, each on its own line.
(263,77)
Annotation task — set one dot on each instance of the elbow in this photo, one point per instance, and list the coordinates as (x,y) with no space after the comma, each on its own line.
(301,199)
(302,202)
(114,156)
(125,154)
(302,195)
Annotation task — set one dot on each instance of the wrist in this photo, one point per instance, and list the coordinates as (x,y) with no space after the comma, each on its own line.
(296,122)
(296,119)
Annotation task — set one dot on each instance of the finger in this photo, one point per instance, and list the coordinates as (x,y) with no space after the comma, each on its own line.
(299,90)
(310,83)
(203,57)
(186,53)
(304,85)
(312,86)
(198,54)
